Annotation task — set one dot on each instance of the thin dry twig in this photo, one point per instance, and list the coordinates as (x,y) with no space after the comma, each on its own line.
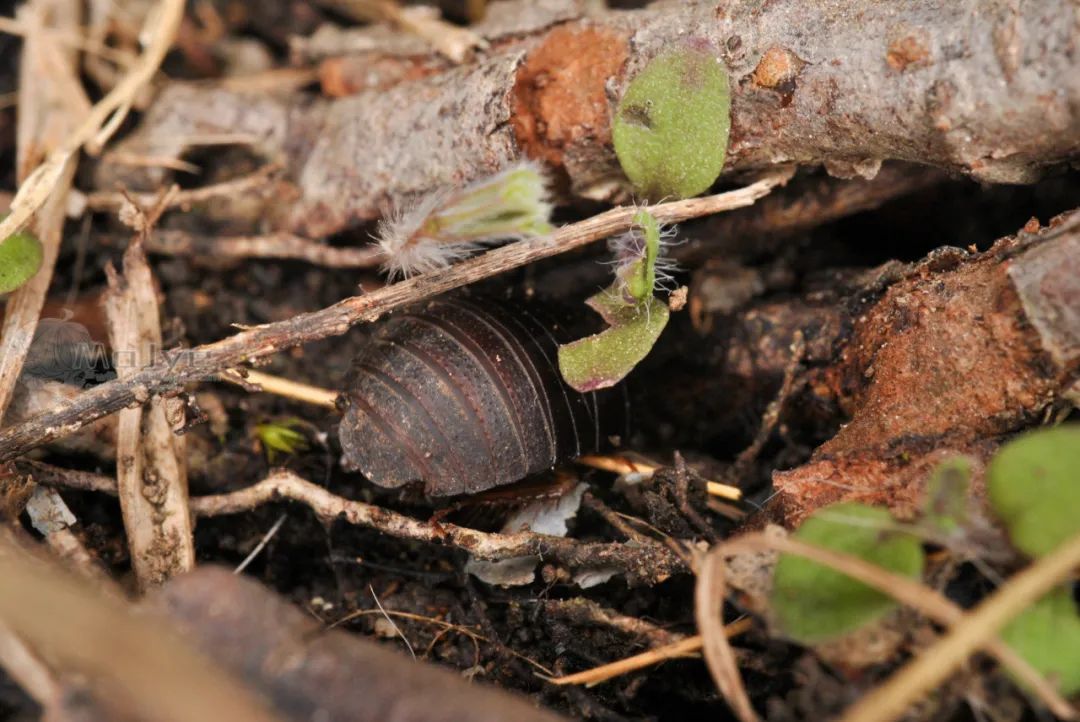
(215,250)
(114,200)
(192,365)
(682,648)
(772,413)
(270,533)
(446,627)
(971,631)
(918,596)
(584,612)
(623,465)
(70,39)
(456,43)
(709,595)
(646,564)
(248,378)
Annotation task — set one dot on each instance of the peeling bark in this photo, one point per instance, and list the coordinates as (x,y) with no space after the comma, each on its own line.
(975,87)
(151,463)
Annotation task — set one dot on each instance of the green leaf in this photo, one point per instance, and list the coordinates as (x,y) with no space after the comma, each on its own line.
(945,504)
(20,259)
(604,359)
(1033,483)
(1048,636)
(281,437)
(814,603)
(671,127)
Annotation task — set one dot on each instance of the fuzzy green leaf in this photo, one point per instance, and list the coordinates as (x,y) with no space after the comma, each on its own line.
(20,259)
(814,603)
(604,359)
(1033,484)
(1048,636)
(945,504)
(671,128)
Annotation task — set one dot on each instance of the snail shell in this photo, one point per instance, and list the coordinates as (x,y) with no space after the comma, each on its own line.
(466,397)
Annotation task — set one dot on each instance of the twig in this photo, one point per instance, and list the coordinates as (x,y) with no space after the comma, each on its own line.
(918,596)
(446,626)
(26,668)
(408,644)
(73,40)
(581,611)
(284,387)
(772,413)
(66,478)
(682,648)
(623,465)
(615,520)
(709,594)
(449,40)
(971,632)
(113,200)
(284,246)
(261,545)
(649,564)
(205,361)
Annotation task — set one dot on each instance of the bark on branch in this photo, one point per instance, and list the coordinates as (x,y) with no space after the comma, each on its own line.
(979,87)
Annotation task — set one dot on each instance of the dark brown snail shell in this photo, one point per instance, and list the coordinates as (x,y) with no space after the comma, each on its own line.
(466,395)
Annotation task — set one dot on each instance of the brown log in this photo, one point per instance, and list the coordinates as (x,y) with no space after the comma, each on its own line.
(310,673)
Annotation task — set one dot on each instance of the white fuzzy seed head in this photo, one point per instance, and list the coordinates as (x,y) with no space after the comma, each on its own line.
(448,226)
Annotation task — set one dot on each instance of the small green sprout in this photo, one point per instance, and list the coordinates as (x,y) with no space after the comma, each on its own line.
(448,226)
(1032,484)
(281,437)
(20,259)
(814,603)
(635,317)
(670,130)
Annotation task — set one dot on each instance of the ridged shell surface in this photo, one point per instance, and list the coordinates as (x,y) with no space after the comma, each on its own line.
(465,395)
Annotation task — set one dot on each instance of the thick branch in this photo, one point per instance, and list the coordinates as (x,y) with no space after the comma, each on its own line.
(976,86)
